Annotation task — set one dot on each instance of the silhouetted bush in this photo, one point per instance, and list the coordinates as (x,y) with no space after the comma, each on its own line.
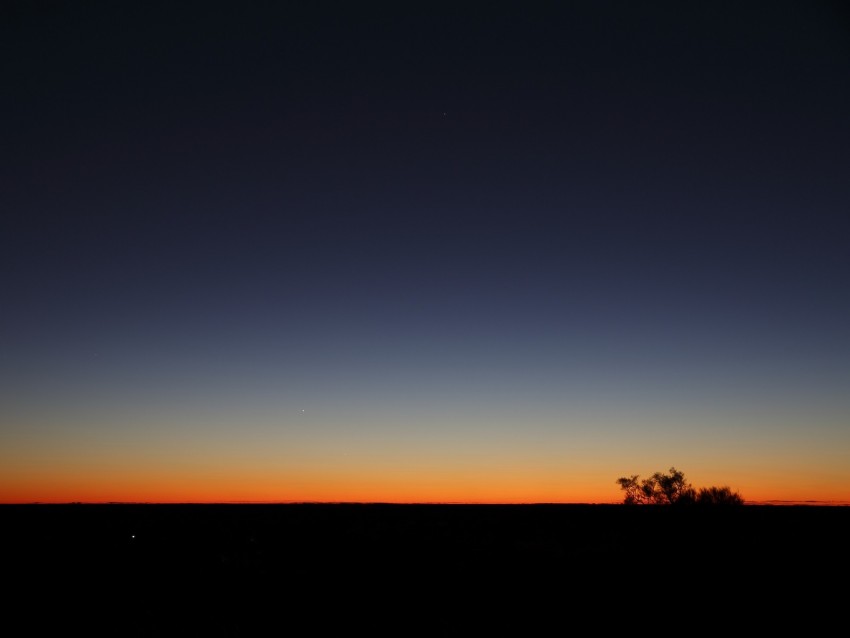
(718,496)
(673,489)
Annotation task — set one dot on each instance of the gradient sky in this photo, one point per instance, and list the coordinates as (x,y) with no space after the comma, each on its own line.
(423,252)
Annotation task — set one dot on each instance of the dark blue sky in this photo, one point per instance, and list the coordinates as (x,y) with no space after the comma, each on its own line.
(488,206)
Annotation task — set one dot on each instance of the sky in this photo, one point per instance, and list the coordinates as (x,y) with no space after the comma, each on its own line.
(501,252)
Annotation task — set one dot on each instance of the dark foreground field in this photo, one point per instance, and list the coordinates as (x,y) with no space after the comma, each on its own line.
(239,570)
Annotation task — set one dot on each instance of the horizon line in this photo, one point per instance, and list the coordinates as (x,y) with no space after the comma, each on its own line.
(775,502)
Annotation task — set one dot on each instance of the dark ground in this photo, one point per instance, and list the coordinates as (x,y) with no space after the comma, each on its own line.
(239,570)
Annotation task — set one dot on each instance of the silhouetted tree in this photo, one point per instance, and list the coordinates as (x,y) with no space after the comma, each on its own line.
(658,489)
(673,489)
(633,489)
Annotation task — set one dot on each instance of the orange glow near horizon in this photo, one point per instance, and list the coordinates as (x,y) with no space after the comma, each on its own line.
(259,487)
(481,460)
